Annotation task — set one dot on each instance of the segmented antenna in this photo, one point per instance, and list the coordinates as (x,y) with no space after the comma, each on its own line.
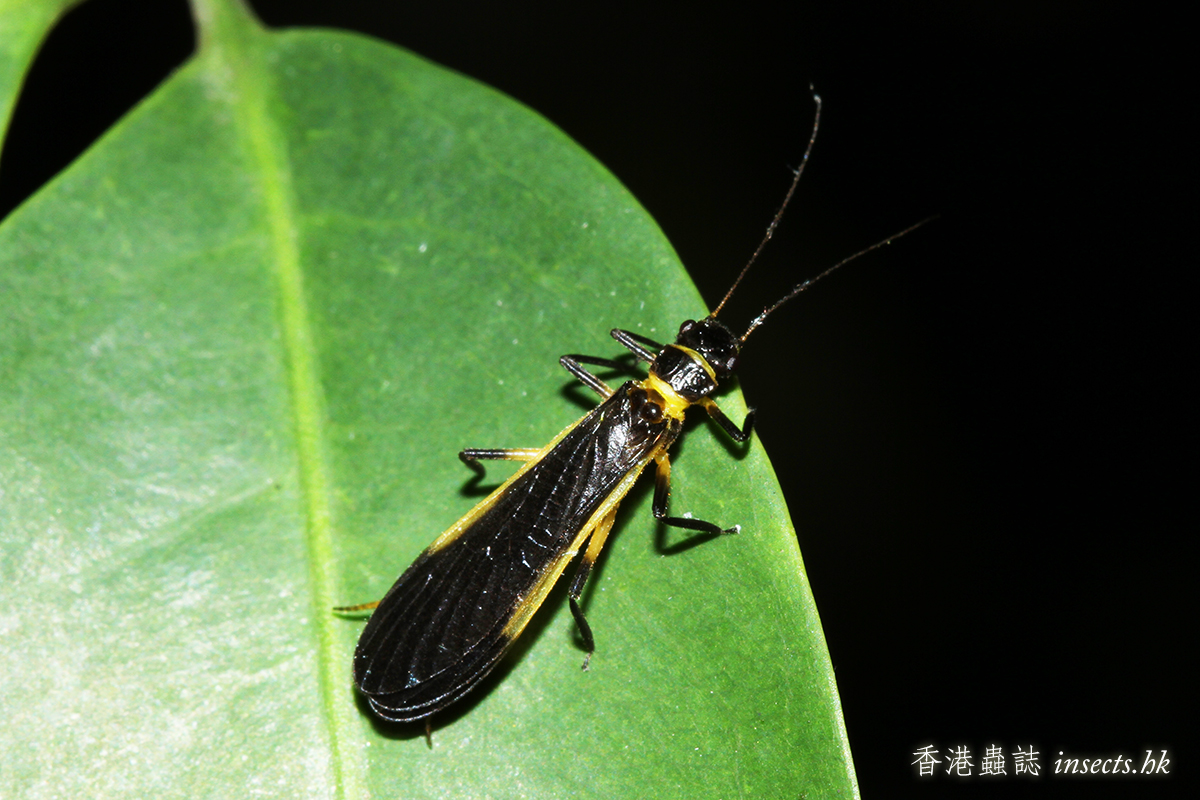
(812,138)
(800,287)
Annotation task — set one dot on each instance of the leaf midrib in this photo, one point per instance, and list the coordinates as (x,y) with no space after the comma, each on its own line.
(232,52)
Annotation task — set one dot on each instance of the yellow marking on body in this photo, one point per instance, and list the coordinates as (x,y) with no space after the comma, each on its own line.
(697,357)
(674,404)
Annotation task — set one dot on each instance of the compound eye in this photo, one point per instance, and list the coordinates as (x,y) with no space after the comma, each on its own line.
(686,326)
(652,412)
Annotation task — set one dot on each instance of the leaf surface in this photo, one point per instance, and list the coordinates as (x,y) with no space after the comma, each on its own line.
(242,339)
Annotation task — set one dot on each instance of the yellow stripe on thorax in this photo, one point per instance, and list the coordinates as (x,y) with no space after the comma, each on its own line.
(697,357)
(674,404)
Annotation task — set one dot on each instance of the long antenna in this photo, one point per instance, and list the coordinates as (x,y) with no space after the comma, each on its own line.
(800,287)
(787,198)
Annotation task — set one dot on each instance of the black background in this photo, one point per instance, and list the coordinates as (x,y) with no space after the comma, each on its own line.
(981,430)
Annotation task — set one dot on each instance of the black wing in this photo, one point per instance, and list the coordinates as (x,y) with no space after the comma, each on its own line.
(450,617)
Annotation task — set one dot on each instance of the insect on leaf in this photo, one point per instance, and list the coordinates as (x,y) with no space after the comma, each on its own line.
(242,339)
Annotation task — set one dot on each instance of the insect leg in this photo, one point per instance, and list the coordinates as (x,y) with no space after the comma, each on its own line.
(725,422)
(595,545)
(573,364)
(634,343)
(662,492)
(471,456)
(356,608)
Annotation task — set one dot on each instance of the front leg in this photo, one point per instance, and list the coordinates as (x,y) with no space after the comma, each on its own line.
(634,341)
(725,422)
(573,364)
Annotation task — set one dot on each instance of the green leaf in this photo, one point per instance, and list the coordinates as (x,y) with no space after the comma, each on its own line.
(242,339)
(23,26)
